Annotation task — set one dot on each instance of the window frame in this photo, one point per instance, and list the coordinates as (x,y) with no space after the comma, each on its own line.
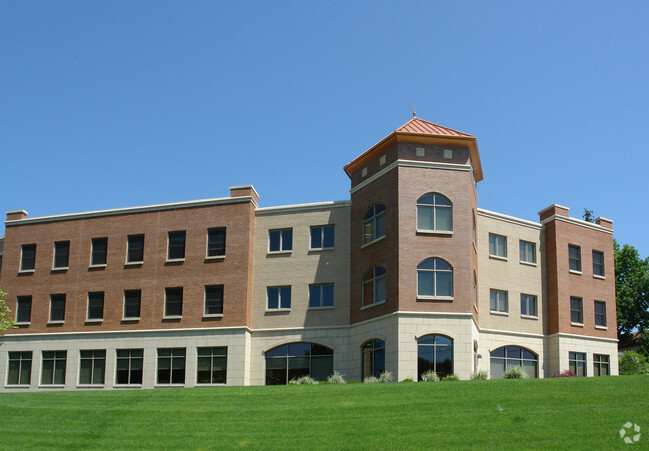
(525,252)
(131,306)
(56,358)
(88,306)
(436,273)
(371,220)
(436,208)
(577,360)
(96,254)
(97,363)
(374,280)
(130,371)
(574,259)
(600,317)
(175,355)
(284,241)
(131,248)
(497,310)
(599,269)
(177,249)
(212,356)
(213,248)
(322,237)
(29,259)
(173,306)
(369,351)
(60,298)
(219,302)
(527,300)
(495,248)
(422,346)
(61,253)
(283,292)
(26,299)
(21,357)
(576,311)
(508,361)
(323,291)
(601,361)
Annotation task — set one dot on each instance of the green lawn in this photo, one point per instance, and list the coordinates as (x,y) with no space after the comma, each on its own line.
(540,413)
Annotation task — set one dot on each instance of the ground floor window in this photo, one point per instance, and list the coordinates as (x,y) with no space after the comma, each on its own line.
(435,352)
(129,366)
(20,368)
(171,366)
(93,364)
(373,357)
(600,365)
(287,362)
(212,365)
(508,357)
(54,367)
(577,363)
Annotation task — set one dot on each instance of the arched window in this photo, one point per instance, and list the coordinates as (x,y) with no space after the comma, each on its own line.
(434,212)
(287,362)
(374,286)
(507,357)
(373,358)
(434,278)
(374,223)
(435,352)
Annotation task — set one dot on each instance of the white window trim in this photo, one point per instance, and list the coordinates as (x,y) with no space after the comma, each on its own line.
(59,269)
(435,232)
(498,257)
(26,271)
(373,241)
(131,318)
(215,257)
(574,271)
(577,324)
(94,320)
(534,317)
(523,262)
(434,298)
(495,312)
(103,265)
(319,249)
(140,263)
(172,317)
(373,304)
(23,323)
(596,276)
(601,327)
(174,260)
(56,322)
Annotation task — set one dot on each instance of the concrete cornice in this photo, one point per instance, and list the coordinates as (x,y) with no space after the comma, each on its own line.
(510,219)
(132,210)
(578,222)
(303,207)
(584,337)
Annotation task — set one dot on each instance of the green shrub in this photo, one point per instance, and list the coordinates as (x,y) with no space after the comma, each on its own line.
(324,383)
(336,378)
(353,381)
(429,376)
(371,380)
(386,377)
(482,375)
(632,362)
(304,380)
(407,380)
(450,377)
(517,372)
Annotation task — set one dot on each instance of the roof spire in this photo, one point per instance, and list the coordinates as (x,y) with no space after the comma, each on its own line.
(414,112)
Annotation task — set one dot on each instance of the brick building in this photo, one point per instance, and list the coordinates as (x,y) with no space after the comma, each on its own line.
(408,275)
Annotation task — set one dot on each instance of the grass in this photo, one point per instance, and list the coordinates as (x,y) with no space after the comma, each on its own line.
(577,413)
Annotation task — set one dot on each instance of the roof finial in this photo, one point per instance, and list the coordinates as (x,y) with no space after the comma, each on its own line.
(414,112)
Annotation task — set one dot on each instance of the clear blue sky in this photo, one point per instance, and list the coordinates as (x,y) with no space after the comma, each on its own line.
(123,103)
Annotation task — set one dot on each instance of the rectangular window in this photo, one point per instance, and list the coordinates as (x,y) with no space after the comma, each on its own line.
(212,365)
(279,298)
(527,252)
(497,245)
(173,302)
(323,237)
(61,254)
(216,242)
(132,301)
(176,245)
(171,366)
(321,295)
(99,251)
(280,240)
(92,367)
(213,300)
(499,301)
(57,308)
(129,366)
(577,363)
(24,310)
(576,310)
(601,365)
(20,368)
(95,306)
(600,313)
(28,257)
(135,249)
(53,372)
(574,257)
(528,305)
(598,263)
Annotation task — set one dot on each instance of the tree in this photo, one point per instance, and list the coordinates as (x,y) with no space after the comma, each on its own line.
(5,314)
(588,216)
(633,363)
(632,294)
